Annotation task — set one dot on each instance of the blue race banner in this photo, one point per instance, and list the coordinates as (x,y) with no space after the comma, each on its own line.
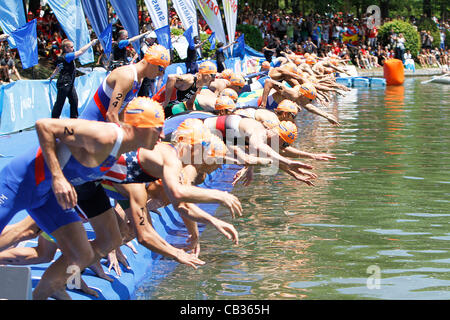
(12,17)
(163,36)
(127,13)
(26,43)
(25,101)
(239,47)
(212,41)
(71,17)
(97,13)
(249,51)
(106,40)
(189,36)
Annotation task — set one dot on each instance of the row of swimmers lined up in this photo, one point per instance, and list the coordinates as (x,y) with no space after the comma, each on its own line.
(146,153)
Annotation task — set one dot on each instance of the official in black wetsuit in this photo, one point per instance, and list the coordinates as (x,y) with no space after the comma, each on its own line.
(65,66)
(220,55)
(191,60)
(119,48)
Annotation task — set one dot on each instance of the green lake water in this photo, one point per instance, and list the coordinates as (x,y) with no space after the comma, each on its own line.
(375,226)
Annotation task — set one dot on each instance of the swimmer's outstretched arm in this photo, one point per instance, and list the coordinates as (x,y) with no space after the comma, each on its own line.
(292,152)
(338,69)
(294,168)
(145,233)
(332,119)
(243,158)
(194,213)
(177,192)
(287,93)
(324,87)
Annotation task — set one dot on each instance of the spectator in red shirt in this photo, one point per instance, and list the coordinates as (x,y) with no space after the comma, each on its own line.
(373,33)
(336,49)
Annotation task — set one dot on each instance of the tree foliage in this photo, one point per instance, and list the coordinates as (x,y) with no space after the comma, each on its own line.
(429,25)
(252,36)
(409,32)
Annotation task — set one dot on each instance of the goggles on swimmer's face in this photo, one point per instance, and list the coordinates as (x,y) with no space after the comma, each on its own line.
(291,114)
(206,144)
(161,69)
(158,130)
(284,145)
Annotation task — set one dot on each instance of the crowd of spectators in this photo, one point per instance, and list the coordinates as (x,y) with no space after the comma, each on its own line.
(339,33)
(342,34)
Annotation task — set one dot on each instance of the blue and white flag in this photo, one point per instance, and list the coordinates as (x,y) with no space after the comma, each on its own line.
(163,36)
(127,12)
(189,37)
(12,17)
(71,17)
(26,43)
(106,40)
(212,41)
(239,47)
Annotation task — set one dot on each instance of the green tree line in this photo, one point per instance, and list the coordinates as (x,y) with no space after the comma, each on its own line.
(389,8)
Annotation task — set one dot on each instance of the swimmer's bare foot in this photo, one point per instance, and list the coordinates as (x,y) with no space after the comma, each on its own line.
(98,270)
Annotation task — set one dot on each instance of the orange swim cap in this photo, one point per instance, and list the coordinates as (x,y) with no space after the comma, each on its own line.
(287,130)
(217,147)
(306,55)
(228,92)
(191,131)
(287,106)
(207,67)
(237,80)
(308,90)
(143,112)
(227,74)
(311,61)
(298,60)
(225,103)
(157,55)
(265,65)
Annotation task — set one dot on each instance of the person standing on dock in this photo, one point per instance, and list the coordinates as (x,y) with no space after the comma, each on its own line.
(65,66)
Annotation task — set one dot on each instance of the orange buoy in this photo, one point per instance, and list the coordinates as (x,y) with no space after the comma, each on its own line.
(394,72)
